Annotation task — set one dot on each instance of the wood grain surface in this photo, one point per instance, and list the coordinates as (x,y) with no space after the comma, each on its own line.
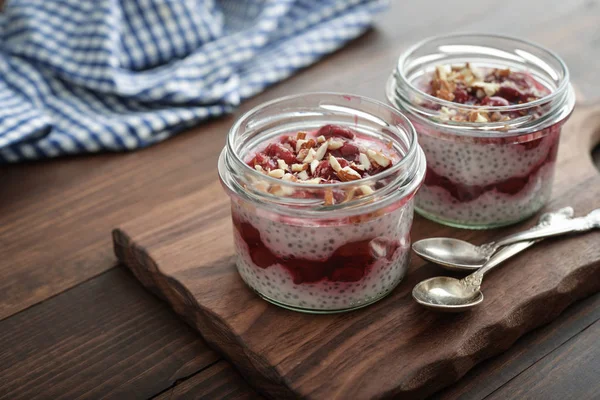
(55,217)
(105,338)
(184,251)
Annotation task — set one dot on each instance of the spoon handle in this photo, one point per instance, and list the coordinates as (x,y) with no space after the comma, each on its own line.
(505,253)
(555,228)
(473,281)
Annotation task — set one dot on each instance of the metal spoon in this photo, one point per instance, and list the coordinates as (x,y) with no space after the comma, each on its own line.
(458,254)
(446,294)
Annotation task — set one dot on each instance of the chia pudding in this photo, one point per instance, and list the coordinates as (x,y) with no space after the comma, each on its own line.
(489,128)
(335,232)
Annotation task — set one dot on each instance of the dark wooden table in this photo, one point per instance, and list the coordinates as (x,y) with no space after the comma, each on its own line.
(74,324)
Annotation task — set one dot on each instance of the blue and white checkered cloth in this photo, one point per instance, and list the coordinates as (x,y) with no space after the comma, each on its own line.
(84,76)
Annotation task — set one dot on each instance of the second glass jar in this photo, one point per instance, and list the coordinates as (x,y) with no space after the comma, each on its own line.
(484,173)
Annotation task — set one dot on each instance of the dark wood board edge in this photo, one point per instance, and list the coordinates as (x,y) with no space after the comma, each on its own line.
(431,379)
(137,259)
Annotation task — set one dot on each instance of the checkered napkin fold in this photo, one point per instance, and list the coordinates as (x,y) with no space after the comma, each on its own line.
(84,76)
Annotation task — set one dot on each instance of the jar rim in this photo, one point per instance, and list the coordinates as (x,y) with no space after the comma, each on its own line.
(404,177)
(562,87)
(395,168)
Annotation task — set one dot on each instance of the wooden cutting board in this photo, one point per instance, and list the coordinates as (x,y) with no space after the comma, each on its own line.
(184,252)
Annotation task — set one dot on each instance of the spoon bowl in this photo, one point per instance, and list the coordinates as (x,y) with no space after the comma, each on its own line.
(454,254)
(446,294)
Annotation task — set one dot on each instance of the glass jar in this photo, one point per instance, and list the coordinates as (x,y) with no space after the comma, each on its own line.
(294,248)
(480,173)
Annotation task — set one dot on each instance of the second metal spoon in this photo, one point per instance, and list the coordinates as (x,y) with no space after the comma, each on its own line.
(458,254)
(447,294)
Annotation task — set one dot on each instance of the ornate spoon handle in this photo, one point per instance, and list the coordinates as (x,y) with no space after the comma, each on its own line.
(555,228)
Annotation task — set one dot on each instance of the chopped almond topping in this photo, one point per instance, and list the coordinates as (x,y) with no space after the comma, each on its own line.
(329,199)
(303,176)
(302,154)
(281,191)
(335,144)
(310,156)
(321,152)
(261,186)
(277,173)
(445,94)
(475,116)
(313,165)
(299,144)
(282,165)
(313,181)
(357,166)
(348,174)
(441,72)
(378,158)
(299,167)
(489,88)
(364,161)
(366,190)
(503,73)
(350,194)
(289,177)
(335,165)
(309,144)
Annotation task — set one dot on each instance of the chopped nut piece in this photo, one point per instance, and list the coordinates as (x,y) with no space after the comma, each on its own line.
(489,88)
(321,139)
(281,191)
(289,177)
(302,154)
(445,95)
(354,165)
(282,165)
(299,167)
(348,174)
(349,194)
(475,116)
(310,156)
(299,144)
(313,165)
(448,86)
(441,72)
(378,158)
(364,161)
(503,73)
(313,181)
(261,186)
(366,190)
(277,173)
(301,135)
(321,152)
(329,200)
(309,144)
(303,176)
(259,168)
(335,165)
(335,144)
(480,93)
